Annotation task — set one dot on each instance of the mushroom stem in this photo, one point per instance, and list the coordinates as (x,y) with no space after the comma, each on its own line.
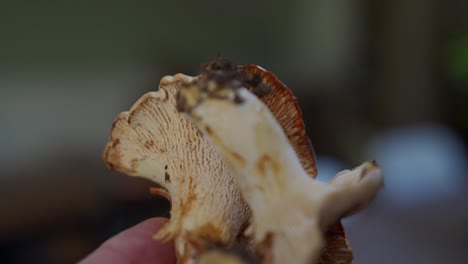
(351,191)
(289,209)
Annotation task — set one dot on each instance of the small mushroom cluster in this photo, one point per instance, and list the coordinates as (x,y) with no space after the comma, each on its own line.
(228,148)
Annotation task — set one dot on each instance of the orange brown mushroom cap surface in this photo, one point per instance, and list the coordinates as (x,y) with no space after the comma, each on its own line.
(211,201)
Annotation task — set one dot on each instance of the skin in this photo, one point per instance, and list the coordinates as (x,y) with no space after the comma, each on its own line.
(135,245)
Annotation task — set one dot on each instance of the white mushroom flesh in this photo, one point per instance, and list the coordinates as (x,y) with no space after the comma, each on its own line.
(289,209)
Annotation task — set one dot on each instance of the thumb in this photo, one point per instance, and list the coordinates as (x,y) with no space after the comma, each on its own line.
(135,245)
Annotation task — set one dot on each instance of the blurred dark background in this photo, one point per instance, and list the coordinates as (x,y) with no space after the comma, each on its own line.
(384,80)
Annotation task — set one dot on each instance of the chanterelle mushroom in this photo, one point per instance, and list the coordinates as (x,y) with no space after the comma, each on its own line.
(267,153)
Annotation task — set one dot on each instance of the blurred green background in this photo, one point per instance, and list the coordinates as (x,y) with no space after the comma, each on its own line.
(385,80)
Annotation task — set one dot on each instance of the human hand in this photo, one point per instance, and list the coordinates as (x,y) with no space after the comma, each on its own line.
(135,245)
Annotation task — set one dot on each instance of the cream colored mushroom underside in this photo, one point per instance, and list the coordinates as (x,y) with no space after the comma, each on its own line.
(152,135)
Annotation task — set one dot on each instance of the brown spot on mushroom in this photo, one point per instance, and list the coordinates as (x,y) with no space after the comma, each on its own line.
(264,248)
(209,232)
(149,143)
(233,154)
(111,155)
(370,166)
(115,142)
(209,131)
(167,177)
(265,162)
(238,157)
(186,204)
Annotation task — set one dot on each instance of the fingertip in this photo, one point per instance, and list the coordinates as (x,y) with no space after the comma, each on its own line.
(135,245)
